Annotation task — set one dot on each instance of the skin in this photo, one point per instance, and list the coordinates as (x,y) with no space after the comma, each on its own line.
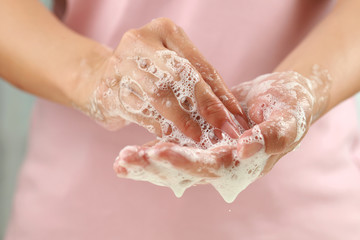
(278,127)
(143,45)
(40,55)
(62,66)
(334,44)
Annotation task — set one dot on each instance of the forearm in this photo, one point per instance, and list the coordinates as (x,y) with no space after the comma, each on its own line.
(38,54)
(334,45)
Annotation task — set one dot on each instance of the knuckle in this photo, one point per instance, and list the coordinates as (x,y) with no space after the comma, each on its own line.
(213,108)
(230,102)
(132,35)
(188,123)
(159,94)
(281,143)
(166,25)
(275,140)
(164,22)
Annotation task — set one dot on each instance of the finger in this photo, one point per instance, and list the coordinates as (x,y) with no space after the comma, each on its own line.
(133,155)
(191,87)
(176,39)
(196,160)
(183,87)
(187,159)
(274,136)
(214,111)
(163,165)
(279,134)
(241,91)
(120,98)
(200,163)
(146,104)
(130,156)
(271,163)
(222,121)
(215,81)
(156,85)
(151,143)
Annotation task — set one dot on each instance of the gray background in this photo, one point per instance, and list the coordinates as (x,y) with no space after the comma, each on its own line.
(15,109)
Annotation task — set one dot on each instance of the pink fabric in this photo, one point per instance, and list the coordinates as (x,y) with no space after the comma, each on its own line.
(68,190)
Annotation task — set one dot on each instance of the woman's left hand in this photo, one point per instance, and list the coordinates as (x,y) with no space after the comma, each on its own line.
(281,107)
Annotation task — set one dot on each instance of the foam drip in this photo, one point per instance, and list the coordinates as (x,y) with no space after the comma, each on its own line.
(228,179)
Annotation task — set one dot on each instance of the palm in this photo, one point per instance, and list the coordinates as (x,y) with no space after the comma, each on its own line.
(279,107)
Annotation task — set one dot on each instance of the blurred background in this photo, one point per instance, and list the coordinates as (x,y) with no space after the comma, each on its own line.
(15,112)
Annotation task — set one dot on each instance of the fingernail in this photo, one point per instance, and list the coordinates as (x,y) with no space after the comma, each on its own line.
(230,130)
(121,171)
(247,150)
(218,136)
(240,110)
(243,123)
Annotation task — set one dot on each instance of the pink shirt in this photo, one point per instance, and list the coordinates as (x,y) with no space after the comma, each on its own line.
(68,190)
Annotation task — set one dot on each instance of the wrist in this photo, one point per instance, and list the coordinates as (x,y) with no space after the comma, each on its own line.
(89,69)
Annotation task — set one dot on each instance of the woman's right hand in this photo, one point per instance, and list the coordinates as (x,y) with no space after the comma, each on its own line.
(158,79)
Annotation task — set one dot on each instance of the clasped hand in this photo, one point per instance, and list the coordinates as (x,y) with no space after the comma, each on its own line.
(206,134)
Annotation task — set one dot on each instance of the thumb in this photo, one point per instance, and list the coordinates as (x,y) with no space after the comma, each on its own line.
(274,136)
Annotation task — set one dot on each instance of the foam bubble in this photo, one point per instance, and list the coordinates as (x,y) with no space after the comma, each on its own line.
(181,78)
(183,89)
(228,181)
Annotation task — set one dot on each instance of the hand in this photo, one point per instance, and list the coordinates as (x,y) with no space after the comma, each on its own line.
(280,108)
(179,167)
(159,80)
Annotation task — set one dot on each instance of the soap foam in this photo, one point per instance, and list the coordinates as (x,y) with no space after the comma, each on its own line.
(229,181)
(184,92)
